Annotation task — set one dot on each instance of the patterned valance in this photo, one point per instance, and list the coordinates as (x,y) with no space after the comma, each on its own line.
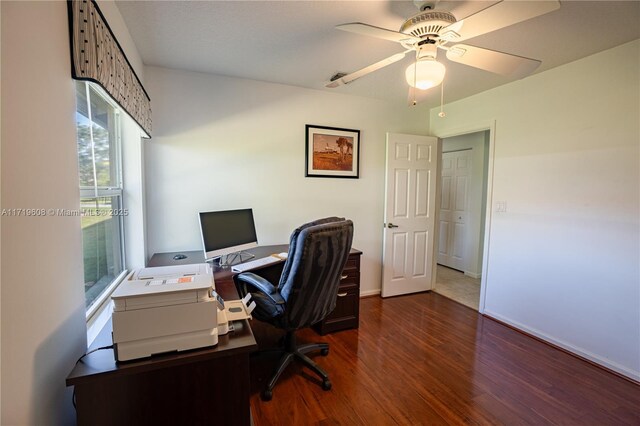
(97,56)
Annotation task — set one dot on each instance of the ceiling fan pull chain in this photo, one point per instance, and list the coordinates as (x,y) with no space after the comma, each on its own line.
(415,76)
(441,114)
(415,73)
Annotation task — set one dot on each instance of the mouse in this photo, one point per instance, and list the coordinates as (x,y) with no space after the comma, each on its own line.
(179,256)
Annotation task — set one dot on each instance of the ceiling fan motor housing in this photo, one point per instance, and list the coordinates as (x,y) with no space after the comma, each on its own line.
(427,24)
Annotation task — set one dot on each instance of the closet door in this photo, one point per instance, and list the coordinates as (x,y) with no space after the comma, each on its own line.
(454,209)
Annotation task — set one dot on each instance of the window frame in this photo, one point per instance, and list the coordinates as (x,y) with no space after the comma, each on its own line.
(100,302)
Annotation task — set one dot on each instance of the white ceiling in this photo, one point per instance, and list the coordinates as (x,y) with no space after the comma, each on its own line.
(295,42)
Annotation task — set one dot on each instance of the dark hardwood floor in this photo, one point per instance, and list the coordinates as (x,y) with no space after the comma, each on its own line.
(424,359)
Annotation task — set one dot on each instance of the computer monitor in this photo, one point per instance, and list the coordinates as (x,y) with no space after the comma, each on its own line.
(227,232)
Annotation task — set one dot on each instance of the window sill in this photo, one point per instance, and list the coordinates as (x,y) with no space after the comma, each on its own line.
(98,317)
(98,321)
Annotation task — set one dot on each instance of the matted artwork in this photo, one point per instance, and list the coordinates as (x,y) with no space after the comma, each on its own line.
(332,152)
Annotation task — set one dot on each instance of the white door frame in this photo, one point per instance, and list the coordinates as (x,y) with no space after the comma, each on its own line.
(458,131)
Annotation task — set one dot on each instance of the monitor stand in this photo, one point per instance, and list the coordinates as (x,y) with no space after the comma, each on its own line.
(235,258)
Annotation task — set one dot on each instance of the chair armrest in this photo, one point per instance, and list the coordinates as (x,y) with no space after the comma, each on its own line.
(261,285)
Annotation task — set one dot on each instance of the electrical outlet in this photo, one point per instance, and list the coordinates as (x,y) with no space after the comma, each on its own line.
(501,207)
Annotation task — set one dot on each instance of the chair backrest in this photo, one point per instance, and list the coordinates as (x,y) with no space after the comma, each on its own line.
(310,278)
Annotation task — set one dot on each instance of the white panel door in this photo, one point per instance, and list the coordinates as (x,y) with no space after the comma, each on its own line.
(407,262)
(454,209)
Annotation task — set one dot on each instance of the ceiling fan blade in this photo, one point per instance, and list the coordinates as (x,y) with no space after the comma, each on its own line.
(493,61)
(371,31)
(496,16)
(366,70)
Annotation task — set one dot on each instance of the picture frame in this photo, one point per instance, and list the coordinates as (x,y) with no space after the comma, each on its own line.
(332,152)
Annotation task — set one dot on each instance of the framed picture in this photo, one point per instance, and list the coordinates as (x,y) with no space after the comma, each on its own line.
(332,152)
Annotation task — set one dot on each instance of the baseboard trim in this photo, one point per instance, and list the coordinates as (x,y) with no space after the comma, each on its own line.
(472,274)
(369,293)
(611,367)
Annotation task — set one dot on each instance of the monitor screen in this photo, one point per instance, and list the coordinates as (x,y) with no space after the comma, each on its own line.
(229,231)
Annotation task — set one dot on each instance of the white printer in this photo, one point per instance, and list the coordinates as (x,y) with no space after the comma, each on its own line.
(170,308)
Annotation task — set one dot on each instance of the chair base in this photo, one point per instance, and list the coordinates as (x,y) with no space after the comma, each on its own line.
(290,352)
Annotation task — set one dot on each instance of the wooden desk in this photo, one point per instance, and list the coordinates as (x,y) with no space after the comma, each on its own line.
(202,386)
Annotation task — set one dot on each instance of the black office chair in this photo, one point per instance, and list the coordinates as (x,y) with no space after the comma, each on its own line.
(307,290)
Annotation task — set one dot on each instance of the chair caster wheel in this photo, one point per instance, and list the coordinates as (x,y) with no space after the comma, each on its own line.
(324,352)
(267,394)
(326,385)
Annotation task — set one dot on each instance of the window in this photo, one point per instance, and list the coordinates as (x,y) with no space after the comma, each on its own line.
(100,173)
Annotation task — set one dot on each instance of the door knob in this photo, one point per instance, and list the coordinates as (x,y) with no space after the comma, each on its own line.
(391,225)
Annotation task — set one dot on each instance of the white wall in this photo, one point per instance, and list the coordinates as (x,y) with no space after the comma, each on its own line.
(475,142)
(43,314)
(563,259)
(223,143)
(133,197)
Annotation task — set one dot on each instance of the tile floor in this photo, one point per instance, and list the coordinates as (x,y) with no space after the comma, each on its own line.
(457,286)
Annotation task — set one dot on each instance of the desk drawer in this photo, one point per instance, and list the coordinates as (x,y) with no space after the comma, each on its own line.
(353,263)
(345,314)
(347,310)
(350,277)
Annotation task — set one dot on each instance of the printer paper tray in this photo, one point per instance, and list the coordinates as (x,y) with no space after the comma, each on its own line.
(237,310)
(126,351)
(142,324)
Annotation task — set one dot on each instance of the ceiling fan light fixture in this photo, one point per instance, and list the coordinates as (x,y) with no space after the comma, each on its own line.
(425,74)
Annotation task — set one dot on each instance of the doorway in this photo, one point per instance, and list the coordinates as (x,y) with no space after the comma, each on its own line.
(462,216)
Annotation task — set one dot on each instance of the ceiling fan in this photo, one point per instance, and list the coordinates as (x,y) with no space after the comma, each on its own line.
(429,30)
